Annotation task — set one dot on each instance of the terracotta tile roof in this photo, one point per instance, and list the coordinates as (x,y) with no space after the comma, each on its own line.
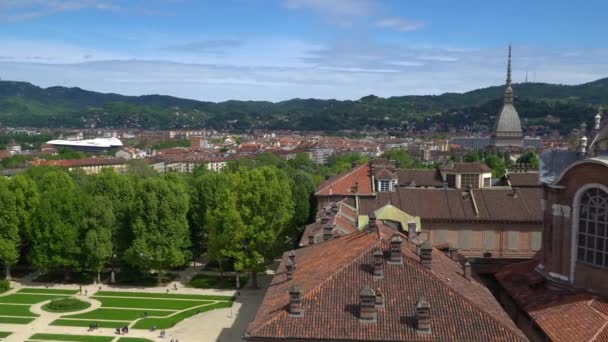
(476,167)
(331,274)
(78,162)
(562,315)
(344,222)
(524,179)
(342,184)
(453,204)
(422,177)
(384,173)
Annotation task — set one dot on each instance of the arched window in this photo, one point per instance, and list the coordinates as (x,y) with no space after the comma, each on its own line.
(593,220)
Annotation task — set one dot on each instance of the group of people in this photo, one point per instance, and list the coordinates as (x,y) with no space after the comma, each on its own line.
(93,326)
(123,330)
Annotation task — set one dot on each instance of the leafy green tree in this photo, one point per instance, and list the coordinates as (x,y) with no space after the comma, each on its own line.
(26,203)
(55,233)
(402,157)
(302,188)
(344,162)
(259,209)
(98,225)
(530,159)
(160,225)
(139,168)
(9,228)
(497,164)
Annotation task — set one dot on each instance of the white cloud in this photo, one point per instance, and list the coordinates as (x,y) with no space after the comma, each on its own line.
(348,8)
(400,24)
(20,10)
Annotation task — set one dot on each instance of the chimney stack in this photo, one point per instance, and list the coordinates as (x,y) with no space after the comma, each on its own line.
(311,239)
(295,302)
(372,221)
(353,165)
(467,270)
(292,257)
(367,305)
(379,299)
(378,261)
(396,258)
(328,232)
(290,268)
(423,316)
(426,254)
(324,219)
(411,230)
(335,208)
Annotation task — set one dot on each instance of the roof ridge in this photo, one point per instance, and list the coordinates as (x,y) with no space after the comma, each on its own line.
(344,174)
(484,313)
(283,312)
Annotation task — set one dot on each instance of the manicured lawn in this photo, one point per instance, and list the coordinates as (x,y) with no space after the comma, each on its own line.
(47,291)
(205,281)
(133,339)
(160,295)
(78,323)
(168,322)
(65,305)
(27,298)
(4,334)
(119,314)
(139,303)
(70,338)
(16,310)
(15,320)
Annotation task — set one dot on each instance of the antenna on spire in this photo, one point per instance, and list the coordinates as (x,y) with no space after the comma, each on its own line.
(526,75)
(509,68)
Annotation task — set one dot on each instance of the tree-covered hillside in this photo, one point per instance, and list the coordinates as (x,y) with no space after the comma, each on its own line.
(555,106)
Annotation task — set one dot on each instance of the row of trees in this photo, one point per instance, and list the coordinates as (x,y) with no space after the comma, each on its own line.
(252,212)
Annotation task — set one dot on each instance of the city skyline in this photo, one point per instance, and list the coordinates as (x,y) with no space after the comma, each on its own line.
(296,49)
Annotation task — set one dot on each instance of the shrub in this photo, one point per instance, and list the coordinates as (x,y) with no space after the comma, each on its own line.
(66,305)
(5,285)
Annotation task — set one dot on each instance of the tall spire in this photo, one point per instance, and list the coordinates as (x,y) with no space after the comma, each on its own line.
(508,90)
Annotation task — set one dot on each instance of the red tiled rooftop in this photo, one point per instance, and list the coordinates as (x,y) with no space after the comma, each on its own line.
(342,184)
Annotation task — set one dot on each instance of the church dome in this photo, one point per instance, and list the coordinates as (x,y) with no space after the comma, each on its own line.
(508,119)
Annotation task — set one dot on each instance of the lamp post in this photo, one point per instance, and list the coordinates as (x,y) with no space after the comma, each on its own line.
(112,273)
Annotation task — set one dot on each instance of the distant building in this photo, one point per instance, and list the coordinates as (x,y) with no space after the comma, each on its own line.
(130,153)
(87,165)
(320,155)
(481,143)
(13,148)
(88,145)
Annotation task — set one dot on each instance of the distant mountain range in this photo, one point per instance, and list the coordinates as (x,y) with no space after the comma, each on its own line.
(553,106)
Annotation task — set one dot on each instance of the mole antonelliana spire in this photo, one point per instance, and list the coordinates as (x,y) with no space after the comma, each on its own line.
(507,131)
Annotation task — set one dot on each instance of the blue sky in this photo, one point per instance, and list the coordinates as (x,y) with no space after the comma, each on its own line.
(280,49)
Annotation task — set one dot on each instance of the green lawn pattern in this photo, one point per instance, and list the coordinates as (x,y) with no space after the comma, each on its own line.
(79,323)
(168,322)
(70,338)
(119,314)
(16,310)
(160,295)
(28,298)
(15,320)
(47,291)
(4,334)
(147,303)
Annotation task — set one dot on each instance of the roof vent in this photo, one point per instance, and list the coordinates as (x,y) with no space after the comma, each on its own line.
(396,257)
(379,299)
(411,230)
(328,232)
(377,263)
(423,316)
(290,268)
(367,305)
(426,254)
(295,302)
(467,270)
(372,221)
(324,219)
(311,239)
(292,257)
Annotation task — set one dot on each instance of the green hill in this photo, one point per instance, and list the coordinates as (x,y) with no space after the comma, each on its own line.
(24,104)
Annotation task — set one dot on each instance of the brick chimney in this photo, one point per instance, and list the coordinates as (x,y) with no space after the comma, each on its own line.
(311,239)
(295,302)
(377,263)
(423,316)
(292,256)
(324,219)
(411,230)
(335,209)
(290,268)
(395,258)
(372,221)
(426,254)
(379,299)
(367,305)
(328,232)
(467,270)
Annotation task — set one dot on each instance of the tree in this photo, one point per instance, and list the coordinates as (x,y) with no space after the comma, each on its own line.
(302,188)
(9,228)
(530,159)
(55,233)
(27,197)
(402,157)
(98,225)
(159,224)
(258,209)
(139,168)
(497,165)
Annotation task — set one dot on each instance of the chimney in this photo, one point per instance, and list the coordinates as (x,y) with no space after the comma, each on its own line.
(356,187)
(335,209)
(324,219)
(295,302)
(377,263)
(367,305)
(411,230)
(379,299)
(426,254)
(292,257)
(311,239)
(396,258)
(328,232)
(290,267)
(327,177)
(423,316)
(353,165)
(467,270)
(372,221)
